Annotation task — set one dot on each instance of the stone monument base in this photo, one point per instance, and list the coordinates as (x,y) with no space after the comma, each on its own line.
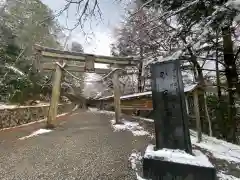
(177,165)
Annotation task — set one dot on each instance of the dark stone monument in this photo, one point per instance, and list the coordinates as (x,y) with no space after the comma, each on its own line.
(171,126)
(170,112)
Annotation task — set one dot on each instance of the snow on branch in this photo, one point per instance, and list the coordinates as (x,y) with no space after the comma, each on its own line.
(167,14)
(14,69)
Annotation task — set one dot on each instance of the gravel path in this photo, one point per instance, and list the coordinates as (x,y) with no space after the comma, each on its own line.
(83,146)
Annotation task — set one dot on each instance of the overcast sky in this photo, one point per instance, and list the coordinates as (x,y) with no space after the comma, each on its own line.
(99,41)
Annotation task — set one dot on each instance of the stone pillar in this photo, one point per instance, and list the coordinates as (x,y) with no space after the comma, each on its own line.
(172,131)
(169,106)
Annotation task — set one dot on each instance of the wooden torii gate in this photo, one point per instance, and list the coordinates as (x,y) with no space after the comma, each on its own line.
(55,60)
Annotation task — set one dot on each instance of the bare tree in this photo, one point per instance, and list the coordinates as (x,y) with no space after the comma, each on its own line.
(85,10)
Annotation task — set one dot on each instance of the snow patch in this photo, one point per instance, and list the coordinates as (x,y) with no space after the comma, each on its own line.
(16,70)
(140,133)
(3,106)
(218,148)
(174,56)
(134,127)
(76,107)
(136,163)
(135,159)
(139,177)
(93,109)
(6,106)
(234,3)
(107,112)
(223,176)
(2,2)
(36,133)
(178,156)
(190,88)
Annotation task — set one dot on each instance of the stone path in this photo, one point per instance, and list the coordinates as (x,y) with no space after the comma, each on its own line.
(83,146)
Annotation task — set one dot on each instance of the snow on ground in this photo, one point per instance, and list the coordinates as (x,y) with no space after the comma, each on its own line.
(134,127)
(5,106)
(223,176)
(220,149)
(135,159)
(136,163)
(178,156)
(139,177)
(36,133)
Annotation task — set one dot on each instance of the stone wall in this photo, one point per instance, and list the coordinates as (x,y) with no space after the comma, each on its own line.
(15,116)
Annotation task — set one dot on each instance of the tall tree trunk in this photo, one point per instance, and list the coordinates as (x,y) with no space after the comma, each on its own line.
(140,89)
(140,68)
(219,111)
(217,70)
(219,93)
(232,79)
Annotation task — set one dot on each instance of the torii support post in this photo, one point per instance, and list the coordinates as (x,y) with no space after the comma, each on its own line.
(117,94)
(52,113)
